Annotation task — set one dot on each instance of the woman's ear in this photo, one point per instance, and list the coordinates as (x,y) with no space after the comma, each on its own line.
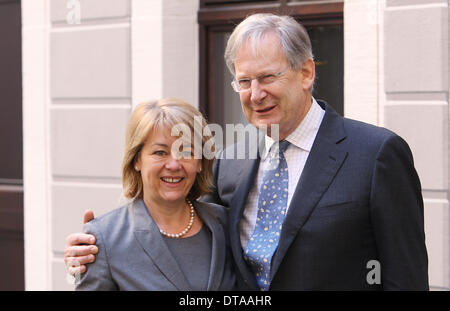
(137,166)
(137,162)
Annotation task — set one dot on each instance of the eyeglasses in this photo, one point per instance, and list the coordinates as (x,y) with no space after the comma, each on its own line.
(243,85)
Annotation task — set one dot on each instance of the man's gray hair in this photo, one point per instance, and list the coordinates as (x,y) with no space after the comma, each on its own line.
(294,39)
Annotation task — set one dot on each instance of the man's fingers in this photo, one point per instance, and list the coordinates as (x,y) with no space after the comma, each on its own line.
(79,238)
(81,250)
(88,216)
(76,270)
(76,265)
(78,261)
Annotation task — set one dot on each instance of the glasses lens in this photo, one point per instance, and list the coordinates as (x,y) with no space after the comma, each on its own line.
(244,84)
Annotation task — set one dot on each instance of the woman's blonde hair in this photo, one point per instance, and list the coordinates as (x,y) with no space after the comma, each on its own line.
(156,115)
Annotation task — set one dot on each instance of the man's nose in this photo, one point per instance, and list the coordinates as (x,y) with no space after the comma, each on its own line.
(257,92)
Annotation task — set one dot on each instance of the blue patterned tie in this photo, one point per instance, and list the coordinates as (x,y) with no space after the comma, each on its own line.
(272,204)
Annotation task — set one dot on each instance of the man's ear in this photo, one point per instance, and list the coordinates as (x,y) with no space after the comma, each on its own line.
(308,73)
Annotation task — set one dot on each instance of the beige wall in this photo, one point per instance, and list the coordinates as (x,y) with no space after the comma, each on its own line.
(396,76)
(81,81)
(416,87)
(80,84)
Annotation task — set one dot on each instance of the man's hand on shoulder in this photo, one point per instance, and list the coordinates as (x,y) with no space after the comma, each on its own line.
(80,249)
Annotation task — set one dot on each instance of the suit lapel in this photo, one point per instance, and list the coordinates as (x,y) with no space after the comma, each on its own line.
(147,234)
(324,161)
(236,213)
(218,251)
(249,169)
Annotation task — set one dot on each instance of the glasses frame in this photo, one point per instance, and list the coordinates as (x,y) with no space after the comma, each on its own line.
(235,82)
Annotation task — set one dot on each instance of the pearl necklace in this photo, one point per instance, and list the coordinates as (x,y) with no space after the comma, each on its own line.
(186,230)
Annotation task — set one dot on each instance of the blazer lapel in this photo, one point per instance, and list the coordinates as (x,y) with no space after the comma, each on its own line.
(323,163)
(147,234)
(247,179)
(218,248)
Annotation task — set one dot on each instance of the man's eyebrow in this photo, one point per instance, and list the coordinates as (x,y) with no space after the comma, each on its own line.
(263,73)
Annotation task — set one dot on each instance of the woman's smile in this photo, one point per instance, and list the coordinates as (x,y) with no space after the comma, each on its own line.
(172,180)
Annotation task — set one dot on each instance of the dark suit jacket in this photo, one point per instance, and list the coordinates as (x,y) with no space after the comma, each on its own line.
(358,199)
(133,255)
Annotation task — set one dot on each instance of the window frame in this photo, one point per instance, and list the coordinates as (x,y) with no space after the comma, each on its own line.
(222,16)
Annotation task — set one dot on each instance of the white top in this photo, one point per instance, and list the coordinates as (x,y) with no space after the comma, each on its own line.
(301,139)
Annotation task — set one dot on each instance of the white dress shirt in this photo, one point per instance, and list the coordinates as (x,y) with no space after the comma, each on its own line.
(301,139)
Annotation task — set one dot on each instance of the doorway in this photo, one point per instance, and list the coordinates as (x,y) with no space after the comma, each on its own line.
(11,167)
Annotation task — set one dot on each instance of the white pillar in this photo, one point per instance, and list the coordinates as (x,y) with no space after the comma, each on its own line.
(165,50)
(35,64)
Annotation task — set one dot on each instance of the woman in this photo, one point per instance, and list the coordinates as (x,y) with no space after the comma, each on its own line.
(163,239)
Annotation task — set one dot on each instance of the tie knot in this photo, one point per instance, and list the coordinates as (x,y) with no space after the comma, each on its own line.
(276,153)
(284,144)
(279,146)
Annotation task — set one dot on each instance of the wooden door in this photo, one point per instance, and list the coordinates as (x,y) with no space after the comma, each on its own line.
(11,175)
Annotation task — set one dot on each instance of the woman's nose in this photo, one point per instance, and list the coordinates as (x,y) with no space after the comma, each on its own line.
(172,163)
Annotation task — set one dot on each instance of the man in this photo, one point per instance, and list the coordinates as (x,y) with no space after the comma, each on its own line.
(343,197)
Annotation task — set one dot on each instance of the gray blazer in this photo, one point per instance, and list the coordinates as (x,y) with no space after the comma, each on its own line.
(133,255)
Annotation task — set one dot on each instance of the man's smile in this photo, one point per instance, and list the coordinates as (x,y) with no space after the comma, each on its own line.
(265,110)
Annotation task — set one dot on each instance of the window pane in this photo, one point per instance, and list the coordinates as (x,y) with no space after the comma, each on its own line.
(328,50)
(226,103)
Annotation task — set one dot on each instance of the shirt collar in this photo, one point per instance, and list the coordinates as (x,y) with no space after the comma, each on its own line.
(305,133)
